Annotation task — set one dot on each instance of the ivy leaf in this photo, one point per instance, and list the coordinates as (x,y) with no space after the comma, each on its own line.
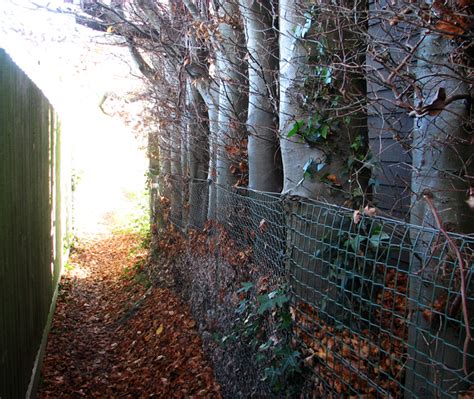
(324,131)
(290,360)
(335,101)
(357,143)
(265,304)
(280,300)
(260,357)
(326,75)
(265,346)
(357,192)
(307,168)
(376,229)
(378,239)
(355,242)
(307,25)
(295,129)
(271,300)
(246,287)
(298,32)
(310,168)
(317,130)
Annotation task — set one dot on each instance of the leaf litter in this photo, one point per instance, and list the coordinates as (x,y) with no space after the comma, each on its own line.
(115,336)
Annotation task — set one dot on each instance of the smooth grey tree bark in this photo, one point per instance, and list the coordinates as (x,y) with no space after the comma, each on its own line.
(153,153)
(300,54)
(265,171)
(294,68)
(443,163)
(213,112)
(231,74)
(315,138)
(184,131)
(198,139)
(165,172)
(210,90)
(176,179)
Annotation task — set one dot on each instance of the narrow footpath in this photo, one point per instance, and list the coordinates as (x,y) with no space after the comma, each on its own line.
(114,336)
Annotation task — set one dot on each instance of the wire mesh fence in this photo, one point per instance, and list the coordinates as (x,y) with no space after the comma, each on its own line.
(378,307)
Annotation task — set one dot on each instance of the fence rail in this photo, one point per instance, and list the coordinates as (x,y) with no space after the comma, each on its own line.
(376,303)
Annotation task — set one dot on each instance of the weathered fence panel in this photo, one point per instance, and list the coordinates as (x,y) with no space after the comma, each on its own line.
(31,244)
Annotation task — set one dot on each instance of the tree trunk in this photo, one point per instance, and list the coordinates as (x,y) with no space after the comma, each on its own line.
(209,90)
(176,179)
(184,131)
(442,163)
(294,68)
(232,94)
(154,168)
(164,190)
(198,138)
(265,172)
(212,176)
(316,136)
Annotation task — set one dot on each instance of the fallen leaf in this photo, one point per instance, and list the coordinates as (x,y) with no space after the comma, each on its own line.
(160,329)
(357,217)
(370,211)
(119,355)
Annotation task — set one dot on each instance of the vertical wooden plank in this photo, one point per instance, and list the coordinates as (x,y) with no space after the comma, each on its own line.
(29,186)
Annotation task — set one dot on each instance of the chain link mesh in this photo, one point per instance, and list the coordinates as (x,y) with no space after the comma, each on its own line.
(376,303)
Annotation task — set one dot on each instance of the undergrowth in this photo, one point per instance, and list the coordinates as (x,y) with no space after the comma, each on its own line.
(264,323)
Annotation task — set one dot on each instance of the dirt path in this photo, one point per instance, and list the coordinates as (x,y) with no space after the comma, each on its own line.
(113,336)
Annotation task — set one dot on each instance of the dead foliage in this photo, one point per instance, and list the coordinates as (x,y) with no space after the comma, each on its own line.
(214,238)
(93,351)
(238,156)
(351,362)
(208,268)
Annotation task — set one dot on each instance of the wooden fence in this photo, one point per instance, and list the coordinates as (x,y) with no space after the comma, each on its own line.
(32,226)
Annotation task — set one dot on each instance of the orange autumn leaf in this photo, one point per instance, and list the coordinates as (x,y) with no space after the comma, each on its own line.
(449,28)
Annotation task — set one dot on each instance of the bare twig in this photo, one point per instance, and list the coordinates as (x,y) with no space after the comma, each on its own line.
(427,196)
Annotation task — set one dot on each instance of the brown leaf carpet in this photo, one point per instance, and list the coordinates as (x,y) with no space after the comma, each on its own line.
(113,337)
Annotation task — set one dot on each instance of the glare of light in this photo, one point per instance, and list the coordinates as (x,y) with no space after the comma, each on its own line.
(74,70)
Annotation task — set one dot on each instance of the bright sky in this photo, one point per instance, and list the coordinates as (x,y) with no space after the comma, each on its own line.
(74,67)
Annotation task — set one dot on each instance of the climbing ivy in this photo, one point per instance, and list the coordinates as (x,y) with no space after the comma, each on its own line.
(272,345)
(314,131)
(333,125)
(354,253)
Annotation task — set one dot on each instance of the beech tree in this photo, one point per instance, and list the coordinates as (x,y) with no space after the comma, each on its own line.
(323,127)
(443,166)
(231,73)
(198,142)
(321,111)
(260,20)
(286,83)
